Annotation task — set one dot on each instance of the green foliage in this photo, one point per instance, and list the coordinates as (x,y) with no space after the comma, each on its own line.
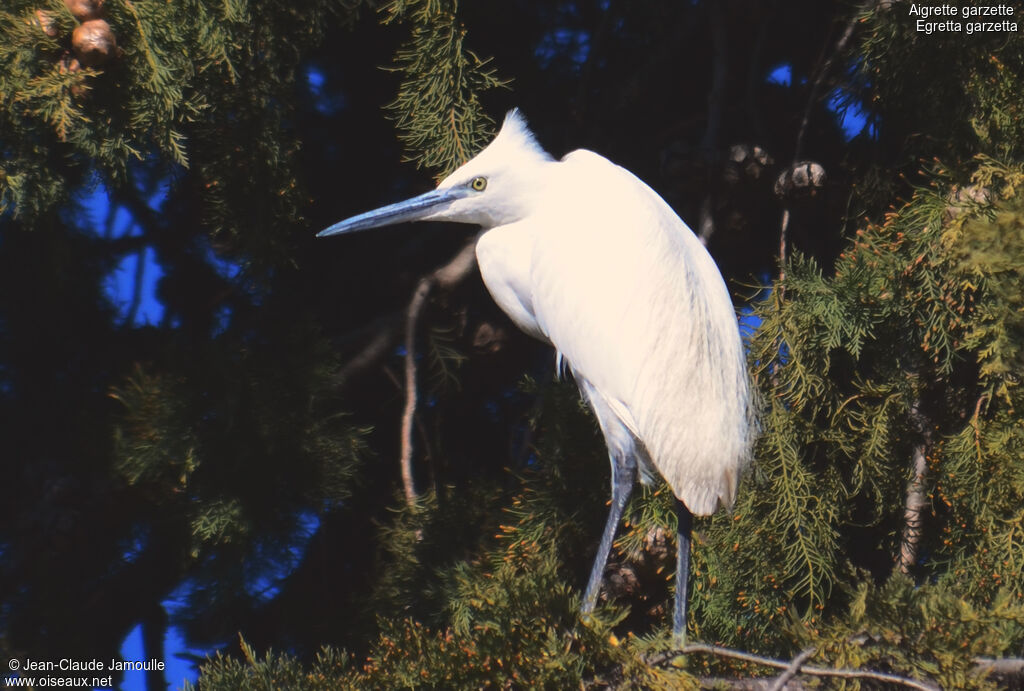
(422,543)
(524,598)
(327,672)
(955,95)
(179,464)
(510,615)
(184,75)
(444,359)
(437,110)
(990,249)
(928,629)
(57,108)
(846,365)
(155,446)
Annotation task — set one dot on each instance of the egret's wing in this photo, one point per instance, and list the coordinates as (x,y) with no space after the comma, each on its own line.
(636,305)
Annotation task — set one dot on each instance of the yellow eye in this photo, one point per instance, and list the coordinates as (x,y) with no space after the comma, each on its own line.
(479,184)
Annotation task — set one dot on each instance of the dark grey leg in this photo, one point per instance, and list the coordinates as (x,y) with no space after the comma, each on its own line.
(685,519)
(623,477)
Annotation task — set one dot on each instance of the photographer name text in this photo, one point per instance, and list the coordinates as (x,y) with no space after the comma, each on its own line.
(70,665)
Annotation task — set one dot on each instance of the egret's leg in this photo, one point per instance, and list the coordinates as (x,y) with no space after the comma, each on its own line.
(685,519)
(623,477)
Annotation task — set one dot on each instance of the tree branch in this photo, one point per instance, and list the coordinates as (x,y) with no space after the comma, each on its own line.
(917,498)
(780,682)
(445,277)
(137,287)
(375,350)
(812,98)
(819,78)
(418,421)
(1005,666)
(662,658)
(721,683)
(419,299)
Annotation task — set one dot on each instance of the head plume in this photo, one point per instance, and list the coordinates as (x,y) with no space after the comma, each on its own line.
(515,135)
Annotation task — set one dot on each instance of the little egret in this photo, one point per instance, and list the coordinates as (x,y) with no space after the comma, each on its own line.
(583,255)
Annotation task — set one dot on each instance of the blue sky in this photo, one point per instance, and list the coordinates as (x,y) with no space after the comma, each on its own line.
(852,118)
(116,222)
(178,670)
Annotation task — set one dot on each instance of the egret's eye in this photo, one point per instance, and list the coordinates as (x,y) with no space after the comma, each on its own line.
(478,183)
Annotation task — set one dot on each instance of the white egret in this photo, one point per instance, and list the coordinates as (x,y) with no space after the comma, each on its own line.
(583,255)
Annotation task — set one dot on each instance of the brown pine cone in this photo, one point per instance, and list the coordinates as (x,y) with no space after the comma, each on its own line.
(94,42)
(84,10)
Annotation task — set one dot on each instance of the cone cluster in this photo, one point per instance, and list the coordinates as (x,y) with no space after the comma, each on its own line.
(93,43)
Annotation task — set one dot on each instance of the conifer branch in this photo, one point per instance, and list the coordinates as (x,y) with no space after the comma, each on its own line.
(810,670)
(146,43)
(437,110)
(459,148)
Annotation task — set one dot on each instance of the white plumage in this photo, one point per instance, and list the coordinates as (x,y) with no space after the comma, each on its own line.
(583,255)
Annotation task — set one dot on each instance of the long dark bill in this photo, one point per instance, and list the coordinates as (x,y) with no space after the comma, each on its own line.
(415,209)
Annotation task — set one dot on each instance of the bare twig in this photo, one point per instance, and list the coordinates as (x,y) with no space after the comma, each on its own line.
(458,268)
(792,670)
(125,244)
(419,299)
(137,287)
(447,276)
(812,98)
(418,420)
(783,242)
(718,684)
(1005,666)
(819,78)
(376,349)
(662,658)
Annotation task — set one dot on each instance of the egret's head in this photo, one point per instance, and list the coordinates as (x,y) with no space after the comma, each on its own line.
(497,186)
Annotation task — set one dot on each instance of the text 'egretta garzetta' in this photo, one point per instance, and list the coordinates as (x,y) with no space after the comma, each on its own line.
(583,255)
